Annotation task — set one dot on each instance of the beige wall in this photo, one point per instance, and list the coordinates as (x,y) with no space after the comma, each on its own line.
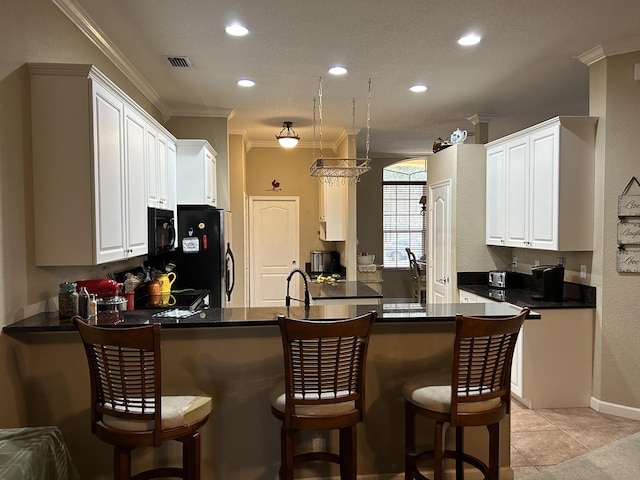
(615,98)
(290,168)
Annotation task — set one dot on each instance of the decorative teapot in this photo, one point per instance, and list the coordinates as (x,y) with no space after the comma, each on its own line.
(458,136)
(166,280)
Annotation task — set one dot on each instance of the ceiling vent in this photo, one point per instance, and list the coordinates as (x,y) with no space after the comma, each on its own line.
(179,62)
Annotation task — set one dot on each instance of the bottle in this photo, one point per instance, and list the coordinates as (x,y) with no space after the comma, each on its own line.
(93,305)
(83,303)
(68,300)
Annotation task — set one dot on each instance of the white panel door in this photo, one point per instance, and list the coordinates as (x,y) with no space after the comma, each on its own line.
(517,193)
(496,195)
(109,171)
(543,224)
(440,242)
(137,237)
(273,249)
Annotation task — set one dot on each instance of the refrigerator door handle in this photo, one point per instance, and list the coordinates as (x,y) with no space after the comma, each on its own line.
(230,285)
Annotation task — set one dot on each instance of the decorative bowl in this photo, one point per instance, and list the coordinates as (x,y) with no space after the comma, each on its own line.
(366,259)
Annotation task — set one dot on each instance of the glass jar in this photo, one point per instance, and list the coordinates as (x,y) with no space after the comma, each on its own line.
(68,300)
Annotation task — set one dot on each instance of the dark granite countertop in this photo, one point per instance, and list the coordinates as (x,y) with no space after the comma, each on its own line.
(518,291)
(390,313)
(349,289)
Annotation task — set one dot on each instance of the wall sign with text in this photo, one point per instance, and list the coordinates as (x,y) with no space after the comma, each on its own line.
(628,255)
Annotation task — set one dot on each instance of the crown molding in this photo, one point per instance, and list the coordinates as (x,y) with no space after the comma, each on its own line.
(610,49)
(83,21)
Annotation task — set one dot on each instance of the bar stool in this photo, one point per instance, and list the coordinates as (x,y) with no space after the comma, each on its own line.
(128,409)
(481,376)
(323,387)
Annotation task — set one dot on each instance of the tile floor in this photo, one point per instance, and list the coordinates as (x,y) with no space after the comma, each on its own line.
(545,437)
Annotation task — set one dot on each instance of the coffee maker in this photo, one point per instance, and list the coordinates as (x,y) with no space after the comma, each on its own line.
(548,283)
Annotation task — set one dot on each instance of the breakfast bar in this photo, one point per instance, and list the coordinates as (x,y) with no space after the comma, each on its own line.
(235,355)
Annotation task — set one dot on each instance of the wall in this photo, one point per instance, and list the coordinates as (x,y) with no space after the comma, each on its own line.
(290,168)
(615,98)
(396,282)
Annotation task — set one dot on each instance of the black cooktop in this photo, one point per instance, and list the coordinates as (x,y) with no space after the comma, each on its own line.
(191,300)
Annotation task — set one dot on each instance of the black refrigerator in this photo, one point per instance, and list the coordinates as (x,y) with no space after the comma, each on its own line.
(204,259)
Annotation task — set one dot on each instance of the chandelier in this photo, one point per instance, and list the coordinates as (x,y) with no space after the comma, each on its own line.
(288,139)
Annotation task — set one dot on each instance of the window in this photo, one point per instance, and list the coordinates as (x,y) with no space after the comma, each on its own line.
(403,224)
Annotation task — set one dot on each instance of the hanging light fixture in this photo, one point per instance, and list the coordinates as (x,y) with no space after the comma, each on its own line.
(288,139)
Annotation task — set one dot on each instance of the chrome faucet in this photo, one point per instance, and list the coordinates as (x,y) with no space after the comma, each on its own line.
(306,288)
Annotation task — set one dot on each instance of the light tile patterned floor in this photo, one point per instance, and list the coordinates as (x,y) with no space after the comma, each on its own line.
(546,437)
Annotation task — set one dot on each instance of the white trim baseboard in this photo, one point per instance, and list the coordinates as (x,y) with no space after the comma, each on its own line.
(614,409)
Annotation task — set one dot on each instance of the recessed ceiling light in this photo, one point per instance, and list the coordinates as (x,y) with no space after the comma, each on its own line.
(236,30)
(470,39)
(246,82)
(338,70)
(418,87)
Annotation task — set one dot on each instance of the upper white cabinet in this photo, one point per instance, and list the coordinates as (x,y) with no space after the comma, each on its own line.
(158,186)
(89,167)
(196,173)
(333,210)
(540,186)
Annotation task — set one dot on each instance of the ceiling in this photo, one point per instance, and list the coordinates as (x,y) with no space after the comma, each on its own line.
(523,71)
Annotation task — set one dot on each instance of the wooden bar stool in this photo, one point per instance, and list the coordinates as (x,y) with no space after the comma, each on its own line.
(128,409)
(481,395)
(323,387)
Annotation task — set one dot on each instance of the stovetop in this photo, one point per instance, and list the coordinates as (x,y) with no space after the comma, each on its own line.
(191,300)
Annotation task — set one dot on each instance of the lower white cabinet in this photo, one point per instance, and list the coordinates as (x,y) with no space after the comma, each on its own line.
(552,364)
(196,173)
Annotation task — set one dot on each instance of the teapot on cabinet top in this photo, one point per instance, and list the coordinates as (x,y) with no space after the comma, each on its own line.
(458,136)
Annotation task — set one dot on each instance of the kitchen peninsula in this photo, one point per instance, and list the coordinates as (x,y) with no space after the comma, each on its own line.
(235,355)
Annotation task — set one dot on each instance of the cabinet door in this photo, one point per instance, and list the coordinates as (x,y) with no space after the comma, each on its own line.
(544,173)
(517,366)
(152,167)
(496,195)
(108,119)
(136,211)
(162,171)
(172,195)
(517,192)
(333,211)
(210,175)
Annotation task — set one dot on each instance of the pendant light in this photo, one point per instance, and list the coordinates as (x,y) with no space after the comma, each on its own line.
(288,139)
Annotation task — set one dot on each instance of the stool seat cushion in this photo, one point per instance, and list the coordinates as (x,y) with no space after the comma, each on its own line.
(278,401)
(177,411)
(438,398)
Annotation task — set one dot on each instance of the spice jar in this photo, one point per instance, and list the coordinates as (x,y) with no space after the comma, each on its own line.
(68,300)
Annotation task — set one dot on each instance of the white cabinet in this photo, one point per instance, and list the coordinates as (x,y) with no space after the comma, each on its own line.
(196,173)
(89,170)
(157,167)
(540,186)
(333,209)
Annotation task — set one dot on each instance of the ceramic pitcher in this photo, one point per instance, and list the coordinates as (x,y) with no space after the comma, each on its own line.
(166,280)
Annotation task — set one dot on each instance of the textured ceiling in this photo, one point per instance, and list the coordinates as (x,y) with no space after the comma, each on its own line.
(524,70)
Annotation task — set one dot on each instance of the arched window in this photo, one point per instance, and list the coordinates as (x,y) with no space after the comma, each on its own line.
(403,219)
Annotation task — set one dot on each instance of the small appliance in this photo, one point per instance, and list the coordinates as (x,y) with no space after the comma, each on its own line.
(324,262)
(548,283)
(497,279)
(162,231)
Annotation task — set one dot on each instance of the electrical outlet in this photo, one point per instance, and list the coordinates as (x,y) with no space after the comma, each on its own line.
(583,271)
(536,263)
(318,444)
(515,261)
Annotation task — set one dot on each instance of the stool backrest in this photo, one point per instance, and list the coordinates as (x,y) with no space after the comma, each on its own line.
(325,360)
(125,373)
(481,372)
